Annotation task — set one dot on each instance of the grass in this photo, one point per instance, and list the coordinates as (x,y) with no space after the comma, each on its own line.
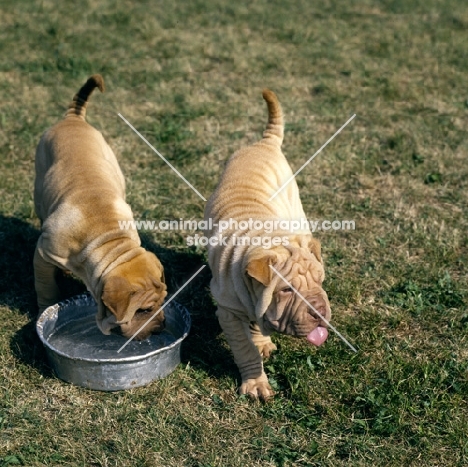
(189,77)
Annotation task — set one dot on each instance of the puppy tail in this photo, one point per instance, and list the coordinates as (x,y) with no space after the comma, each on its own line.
(275,129)
(80,101)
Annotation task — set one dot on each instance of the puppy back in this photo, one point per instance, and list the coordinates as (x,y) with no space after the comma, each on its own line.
(77,107)
(275,129)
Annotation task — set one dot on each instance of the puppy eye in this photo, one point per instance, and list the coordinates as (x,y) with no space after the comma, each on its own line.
(286,290)
(144,310)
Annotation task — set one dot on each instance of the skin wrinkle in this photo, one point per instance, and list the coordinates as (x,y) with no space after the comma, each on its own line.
(306,273)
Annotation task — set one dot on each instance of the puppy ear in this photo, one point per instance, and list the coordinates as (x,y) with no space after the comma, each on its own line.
(116,296)
(315,248)
(260,269)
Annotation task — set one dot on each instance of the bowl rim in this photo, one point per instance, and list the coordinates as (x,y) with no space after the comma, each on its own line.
(89,301)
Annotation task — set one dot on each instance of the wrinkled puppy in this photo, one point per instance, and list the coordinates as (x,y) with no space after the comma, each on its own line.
(79,196)
(253,301)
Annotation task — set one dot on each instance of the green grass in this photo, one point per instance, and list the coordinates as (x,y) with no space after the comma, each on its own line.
(189,77)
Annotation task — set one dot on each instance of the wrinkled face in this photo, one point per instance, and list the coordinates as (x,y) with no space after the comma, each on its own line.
(286,311)
(132,296)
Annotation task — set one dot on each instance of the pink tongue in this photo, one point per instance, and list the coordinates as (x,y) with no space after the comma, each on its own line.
(318,336)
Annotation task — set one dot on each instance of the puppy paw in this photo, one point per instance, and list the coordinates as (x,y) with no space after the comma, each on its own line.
(266,348)
(257,388)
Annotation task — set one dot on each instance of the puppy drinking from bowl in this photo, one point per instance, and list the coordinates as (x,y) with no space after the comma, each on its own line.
(79,197)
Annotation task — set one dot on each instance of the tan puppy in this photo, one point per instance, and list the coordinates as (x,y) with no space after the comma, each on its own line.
(79,196)
(252,300)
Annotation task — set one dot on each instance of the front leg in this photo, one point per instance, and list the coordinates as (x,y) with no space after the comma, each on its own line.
(263,343)
(47,290)
(246,355)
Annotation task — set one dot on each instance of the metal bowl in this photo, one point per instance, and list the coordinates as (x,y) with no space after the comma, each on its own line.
(80,354)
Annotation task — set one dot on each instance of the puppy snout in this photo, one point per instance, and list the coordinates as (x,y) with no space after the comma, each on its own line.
(142,325)
(156,320)
(161,322)
(320,306)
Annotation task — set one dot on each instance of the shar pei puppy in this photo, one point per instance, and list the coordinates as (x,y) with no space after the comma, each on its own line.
(79,197)
(253,299)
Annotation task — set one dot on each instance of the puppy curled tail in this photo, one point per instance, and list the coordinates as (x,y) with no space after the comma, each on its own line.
(80,101)
(275,129)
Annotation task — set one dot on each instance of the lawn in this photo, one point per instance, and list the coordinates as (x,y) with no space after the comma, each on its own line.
(189,77)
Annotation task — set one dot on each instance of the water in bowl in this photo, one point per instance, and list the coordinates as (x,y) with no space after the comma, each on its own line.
(81,338)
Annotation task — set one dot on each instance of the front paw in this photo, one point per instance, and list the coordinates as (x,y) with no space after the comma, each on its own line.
(266,348)
(257,388)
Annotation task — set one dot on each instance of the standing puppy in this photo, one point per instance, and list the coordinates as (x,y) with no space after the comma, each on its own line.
(253,301)
(79,196)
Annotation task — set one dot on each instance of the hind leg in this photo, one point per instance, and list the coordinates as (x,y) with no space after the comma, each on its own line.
(263,343)
(47,290)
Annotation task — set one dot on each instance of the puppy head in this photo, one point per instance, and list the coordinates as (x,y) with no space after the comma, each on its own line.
(279,307)
(132,293)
